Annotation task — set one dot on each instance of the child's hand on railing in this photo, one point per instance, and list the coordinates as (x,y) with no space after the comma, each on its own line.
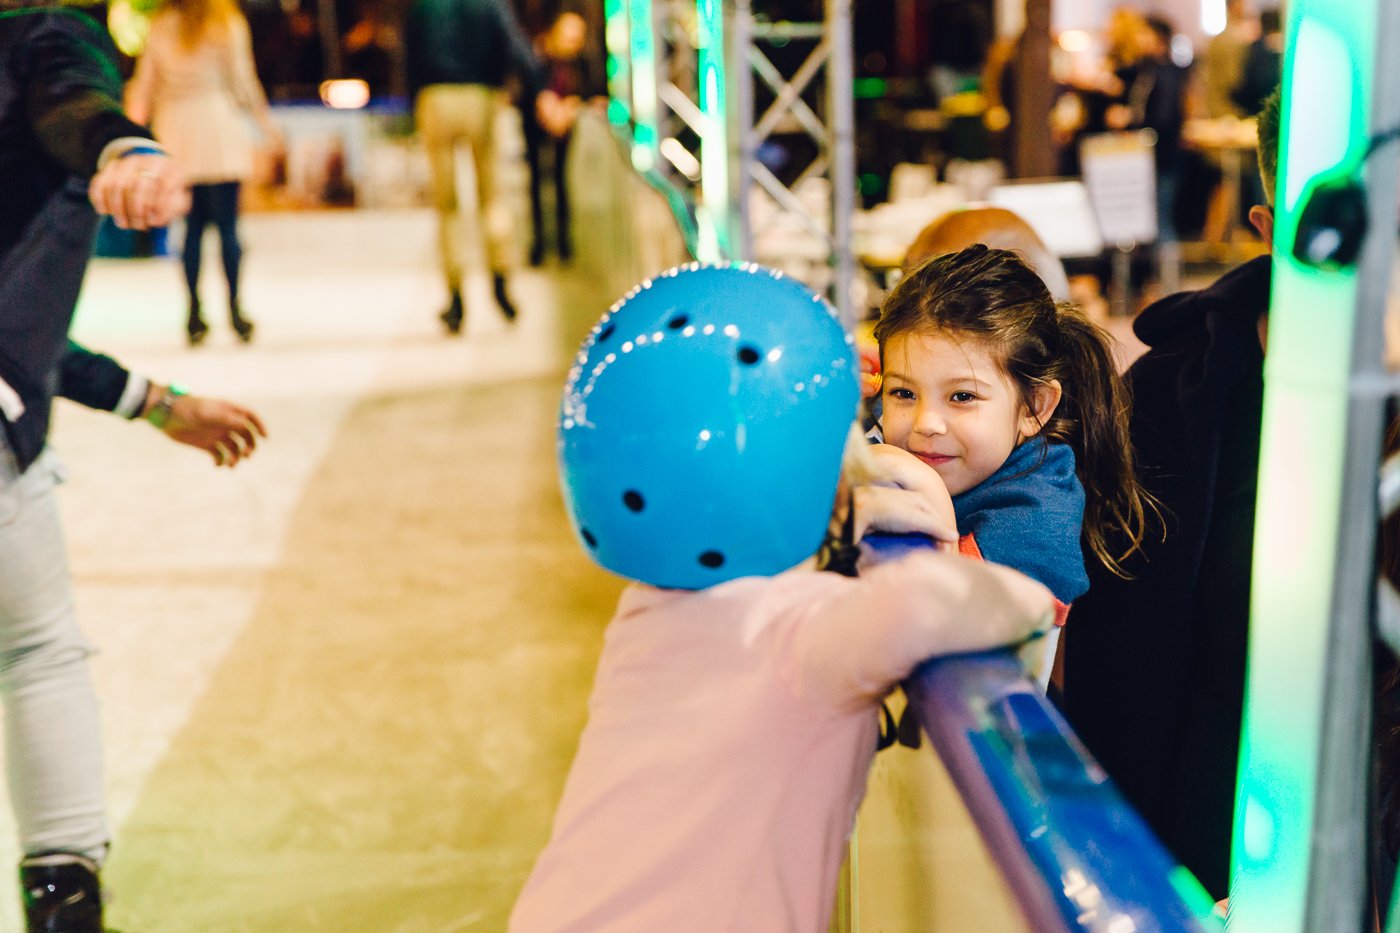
(900,494)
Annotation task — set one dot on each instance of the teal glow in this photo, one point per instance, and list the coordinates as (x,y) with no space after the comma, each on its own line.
(617,112)
(643,51)
(714,141)
(1193,894)
(869,88)
(1326,111)
(1327,101)
(616,37)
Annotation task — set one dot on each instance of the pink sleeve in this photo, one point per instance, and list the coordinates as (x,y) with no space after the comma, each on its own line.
(967,547)
(855,646)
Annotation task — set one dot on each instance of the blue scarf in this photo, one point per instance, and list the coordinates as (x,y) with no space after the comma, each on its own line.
(1028,515)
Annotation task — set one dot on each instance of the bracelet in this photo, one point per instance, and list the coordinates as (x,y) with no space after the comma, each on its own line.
(159,415)
(142,150)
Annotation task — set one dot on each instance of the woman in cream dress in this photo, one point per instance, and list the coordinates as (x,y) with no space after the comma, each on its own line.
(196,86)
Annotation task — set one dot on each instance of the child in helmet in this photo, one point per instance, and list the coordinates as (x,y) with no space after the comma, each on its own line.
(1016,403)
(734,712)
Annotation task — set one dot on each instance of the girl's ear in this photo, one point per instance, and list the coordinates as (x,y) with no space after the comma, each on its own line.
(1045,398)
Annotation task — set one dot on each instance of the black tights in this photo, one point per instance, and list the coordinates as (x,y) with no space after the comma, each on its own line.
(216,204)
(555,151)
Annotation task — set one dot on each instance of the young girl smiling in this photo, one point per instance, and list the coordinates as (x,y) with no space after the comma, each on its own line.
(1016,403)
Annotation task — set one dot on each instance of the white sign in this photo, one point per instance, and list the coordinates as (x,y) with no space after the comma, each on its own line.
(1058,211)
(1121,176)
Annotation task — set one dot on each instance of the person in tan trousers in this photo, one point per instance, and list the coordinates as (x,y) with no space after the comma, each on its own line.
(459,55)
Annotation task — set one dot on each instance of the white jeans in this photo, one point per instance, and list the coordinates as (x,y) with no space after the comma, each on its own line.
(53,739)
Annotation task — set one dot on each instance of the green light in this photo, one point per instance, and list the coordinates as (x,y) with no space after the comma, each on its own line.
(714,141)
(615,36)
(617,112)
(644,116)
(869,88)
(1192,893)
(1327,100)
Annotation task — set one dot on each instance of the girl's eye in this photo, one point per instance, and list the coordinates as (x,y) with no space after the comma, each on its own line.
(962,397)
(898,392)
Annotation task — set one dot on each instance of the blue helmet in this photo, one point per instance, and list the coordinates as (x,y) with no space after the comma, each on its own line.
(703,425)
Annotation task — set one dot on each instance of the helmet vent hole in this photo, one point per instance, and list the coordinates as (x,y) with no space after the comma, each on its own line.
(679,321)
(588,537)
(712,559)
(606,332)
(748,355)
(633,500)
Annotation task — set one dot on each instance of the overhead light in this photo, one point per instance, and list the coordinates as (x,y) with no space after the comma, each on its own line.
(345,93)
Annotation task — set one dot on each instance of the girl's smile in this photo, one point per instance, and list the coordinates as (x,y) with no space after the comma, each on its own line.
(948,402)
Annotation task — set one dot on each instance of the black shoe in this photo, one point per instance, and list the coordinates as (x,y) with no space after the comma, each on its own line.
(502,298)
(454,315)
(566,251)
(241,325)
(537,255)
(61,894)
(195,326)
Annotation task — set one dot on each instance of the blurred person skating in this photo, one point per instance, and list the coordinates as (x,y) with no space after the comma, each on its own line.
(459,54)
(569,83)
(1217,77)
(1222,62)
(1083,109)
(195,84)
(1263,64)
(733,718)
(1155,660)
(1156,100)
(67,152)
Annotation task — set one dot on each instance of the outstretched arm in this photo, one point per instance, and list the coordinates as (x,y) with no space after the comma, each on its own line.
(856,646)
(140,189)
(71,102)
(228,432)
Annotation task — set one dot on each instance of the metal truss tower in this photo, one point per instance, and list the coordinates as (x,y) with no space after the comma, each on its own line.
(685,80)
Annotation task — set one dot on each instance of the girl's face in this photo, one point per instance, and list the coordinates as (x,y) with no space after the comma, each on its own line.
(949,403)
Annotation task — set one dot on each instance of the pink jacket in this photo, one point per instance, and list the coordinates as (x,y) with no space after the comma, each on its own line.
(729,737)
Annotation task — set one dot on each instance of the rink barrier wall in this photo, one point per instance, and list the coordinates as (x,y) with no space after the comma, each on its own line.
(1075,855)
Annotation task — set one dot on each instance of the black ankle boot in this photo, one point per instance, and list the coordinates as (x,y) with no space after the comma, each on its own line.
(195,326)
(241,325)
(61,894)
(454,315)
(502,299)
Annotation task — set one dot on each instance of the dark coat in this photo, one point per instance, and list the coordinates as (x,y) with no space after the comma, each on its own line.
(468,42)
(1155,664)
(60,105)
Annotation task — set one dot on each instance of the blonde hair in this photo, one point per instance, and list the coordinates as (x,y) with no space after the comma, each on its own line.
(201,20)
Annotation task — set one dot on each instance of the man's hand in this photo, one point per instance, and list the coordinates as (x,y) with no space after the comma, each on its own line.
(228,432)
(140,191)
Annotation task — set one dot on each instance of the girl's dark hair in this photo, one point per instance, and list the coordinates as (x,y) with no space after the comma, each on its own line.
(993,297)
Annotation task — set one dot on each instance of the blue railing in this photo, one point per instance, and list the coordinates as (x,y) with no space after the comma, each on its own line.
(1075,855)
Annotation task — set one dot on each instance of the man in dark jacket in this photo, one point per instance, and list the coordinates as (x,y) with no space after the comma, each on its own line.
(66,153)
(459,55)
(1155,663)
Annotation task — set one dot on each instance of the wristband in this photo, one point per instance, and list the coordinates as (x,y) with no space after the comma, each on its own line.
(124,146)
(142,150)
(159,415)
